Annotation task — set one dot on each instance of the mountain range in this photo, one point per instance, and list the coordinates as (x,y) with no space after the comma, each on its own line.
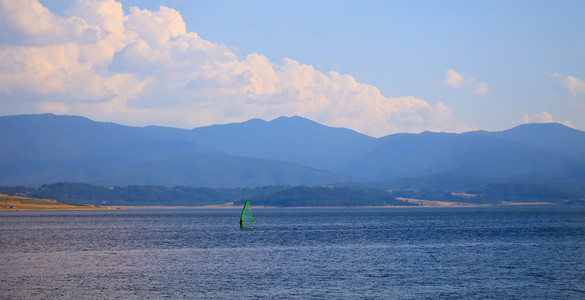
(47,148)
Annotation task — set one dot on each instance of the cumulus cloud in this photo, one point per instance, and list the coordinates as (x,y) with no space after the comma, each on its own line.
(576,86)
(143,67)
(28,22)
(455,79)
(480,89)
(543,117)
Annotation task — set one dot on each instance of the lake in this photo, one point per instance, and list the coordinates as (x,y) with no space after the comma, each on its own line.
(294,253)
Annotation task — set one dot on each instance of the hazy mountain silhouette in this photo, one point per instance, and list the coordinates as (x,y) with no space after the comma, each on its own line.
(293,139)
(501,155)
(553,137)
(46,148)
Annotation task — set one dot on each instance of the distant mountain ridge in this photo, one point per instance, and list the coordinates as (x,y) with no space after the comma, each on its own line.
(554,137)
(293,139)
(48,148)
(481,155)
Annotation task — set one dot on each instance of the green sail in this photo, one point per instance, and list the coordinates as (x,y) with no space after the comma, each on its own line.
(247,217)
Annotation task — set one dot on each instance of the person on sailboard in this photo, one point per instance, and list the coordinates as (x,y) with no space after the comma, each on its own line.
(241,225)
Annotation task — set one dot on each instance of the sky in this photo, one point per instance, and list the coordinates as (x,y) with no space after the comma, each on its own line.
(377,67)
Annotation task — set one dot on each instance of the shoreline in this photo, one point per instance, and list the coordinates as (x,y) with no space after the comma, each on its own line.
(16,203)
(125,208)
(464,205)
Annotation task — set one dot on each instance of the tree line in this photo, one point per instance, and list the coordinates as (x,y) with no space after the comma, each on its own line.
(149,195)
(282,195)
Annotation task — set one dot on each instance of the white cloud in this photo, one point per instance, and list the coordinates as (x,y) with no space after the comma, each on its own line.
(145,68)
(453,79)
(575,85)
(480,89)
(28,22)
(543,117)
(457,80)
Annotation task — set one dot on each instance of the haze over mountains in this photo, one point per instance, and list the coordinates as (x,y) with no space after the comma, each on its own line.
(40,149)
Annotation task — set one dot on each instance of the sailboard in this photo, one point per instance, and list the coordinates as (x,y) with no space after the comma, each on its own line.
(247,217)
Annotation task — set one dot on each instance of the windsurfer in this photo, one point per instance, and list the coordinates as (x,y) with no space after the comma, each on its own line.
(241,225)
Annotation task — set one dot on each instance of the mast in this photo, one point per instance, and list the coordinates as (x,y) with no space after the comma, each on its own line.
(246,218)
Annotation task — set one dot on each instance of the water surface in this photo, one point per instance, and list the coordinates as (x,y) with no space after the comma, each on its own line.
(294,253)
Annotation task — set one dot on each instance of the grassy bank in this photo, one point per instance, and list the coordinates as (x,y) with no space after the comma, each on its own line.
(23,203)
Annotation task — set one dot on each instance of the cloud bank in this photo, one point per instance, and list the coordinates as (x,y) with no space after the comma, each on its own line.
(143,68)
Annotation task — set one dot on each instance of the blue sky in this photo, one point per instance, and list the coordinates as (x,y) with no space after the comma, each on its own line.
(378,67)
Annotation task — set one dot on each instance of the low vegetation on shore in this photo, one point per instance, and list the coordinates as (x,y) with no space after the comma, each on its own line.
(23,203)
